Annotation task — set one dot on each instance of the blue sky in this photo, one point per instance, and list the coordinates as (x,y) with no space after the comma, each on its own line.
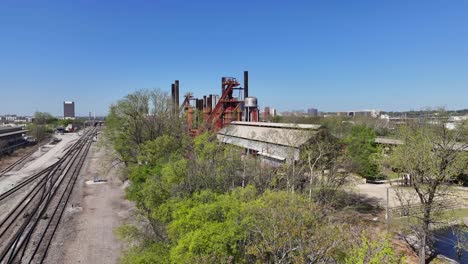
(332,55)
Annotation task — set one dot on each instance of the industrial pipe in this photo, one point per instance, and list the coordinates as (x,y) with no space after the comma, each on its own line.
(246,84)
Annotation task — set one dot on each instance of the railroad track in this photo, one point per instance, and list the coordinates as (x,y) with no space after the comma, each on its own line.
(18,162)
(38,175)
(27,231)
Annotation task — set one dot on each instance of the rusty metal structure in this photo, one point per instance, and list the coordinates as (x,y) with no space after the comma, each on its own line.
(213,112)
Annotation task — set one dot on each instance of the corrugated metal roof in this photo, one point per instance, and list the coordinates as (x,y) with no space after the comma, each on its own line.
(266,154)
(13,133)
(263,148)
(278,125)
(6,129)
(272,133)
(460,146)
(388,141)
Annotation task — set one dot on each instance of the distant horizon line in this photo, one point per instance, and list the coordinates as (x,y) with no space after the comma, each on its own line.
(279,111)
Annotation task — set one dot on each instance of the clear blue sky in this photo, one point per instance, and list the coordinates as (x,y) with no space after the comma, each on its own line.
(332,55)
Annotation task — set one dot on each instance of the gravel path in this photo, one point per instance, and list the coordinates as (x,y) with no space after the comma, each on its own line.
(378,191)
(86,234)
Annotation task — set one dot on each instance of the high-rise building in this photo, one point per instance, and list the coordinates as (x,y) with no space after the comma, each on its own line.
(273,112)
(266,113)
(68,110)
(312,112)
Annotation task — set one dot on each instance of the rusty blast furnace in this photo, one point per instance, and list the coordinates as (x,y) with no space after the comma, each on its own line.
(213,112)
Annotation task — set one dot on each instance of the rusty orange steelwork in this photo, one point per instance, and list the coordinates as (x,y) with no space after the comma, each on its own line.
(212,115)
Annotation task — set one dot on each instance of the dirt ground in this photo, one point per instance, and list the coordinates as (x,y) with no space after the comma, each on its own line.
(86,233)
(44,156)
(379,191)
(6,160)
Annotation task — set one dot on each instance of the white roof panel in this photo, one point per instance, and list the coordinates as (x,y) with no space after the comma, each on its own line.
(272,133)
(278,125)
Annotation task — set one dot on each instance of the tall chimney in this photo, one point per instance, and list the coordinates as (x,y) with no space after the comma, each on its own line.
(246,84)
(173,93)
(223,79)
(200,104)
(177,93)
(210,102)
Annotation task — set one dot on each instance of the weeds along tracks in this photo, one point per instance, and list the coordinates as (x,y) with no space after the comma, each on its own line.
(16,163)
(27,231)
(36,206)
(38,175)
(29,198)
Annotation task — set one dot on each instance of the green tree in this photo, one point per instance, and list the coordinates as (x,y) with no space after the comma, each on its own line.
(277,119)
(141,116)
(373,252)
(66,122)
(338,126)
(162,170)
(432,156)
(41,127)
(287,228)
(43,118)
(206,202)
(207,227)
(362,151)
(324,153)
(212,165)
(143,250)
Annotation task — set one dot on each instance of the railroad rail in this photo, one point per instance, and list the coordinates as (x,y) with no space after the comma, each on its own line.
(26,231)
(18,162)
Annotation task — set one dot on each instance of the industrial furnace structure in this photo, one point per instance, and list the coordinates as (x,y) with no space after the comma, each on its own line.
(213,112)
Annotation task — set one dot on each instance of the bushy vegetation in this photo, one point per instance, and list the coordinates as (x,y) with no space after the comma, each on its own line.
(199,212)
(433,157)
(206,202)
(44,124)
(357,136)
(362,151)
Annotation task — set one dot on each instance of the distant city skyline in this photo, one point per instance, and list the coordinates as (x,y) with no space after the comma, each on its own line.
(277,111)
(334,55)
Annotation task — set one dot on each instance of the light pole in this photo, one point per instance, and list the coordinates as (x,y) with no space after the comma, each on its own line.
(387,213)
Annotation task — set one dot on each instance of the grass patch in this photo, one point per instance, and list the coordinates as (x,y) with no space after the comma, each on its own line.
(455,214)
(393,176)
(458,213)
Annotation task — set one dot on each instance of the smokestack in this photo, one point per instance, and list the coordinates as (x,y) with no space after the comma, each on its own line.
(222,85)
(173,96)
(246,84)
(177,93)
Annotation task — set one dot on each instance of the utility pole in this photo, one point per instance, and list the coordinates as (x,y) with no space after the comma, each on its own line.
(387,213)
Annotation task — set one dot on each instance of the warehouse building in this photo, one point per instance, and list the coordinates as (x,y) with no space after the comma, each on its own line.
(276,142)
(11,138)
